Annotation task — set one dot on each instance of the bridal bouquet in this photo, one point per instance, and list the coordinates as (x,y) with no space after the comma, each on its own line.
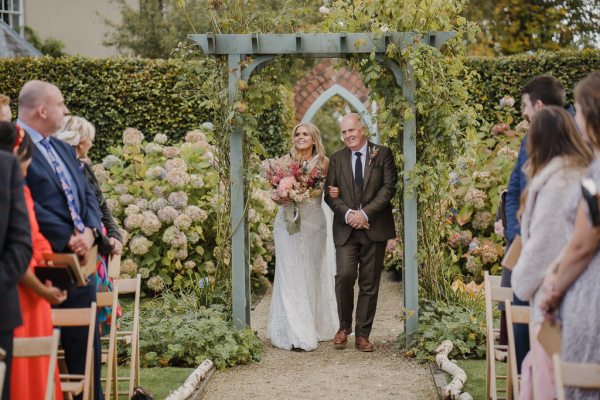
(295,180)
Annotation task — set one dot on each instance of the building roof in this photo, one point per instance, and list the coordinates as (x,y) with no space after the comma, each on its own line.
(13,45)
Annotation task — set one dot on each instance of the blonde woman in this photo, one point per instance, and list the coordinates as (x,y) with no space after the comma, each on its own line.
(80,133)
(303,305)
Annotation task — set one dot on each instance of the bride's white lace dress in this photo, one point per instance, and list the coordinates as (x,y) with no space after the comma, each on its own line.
(303,305)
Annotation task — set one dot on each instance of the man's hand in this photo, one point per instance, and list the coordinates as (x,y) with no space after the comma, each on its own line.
(81,243)
(54,295)
(115,245)
(357,220)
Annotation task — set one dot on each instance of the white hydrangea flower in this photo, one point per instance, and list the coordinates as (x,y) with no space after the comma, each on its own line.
(210,267)
(159,203)
(178,199)
(153,148)
(114,206)
(169,234)
(133,221)
(129,267)
(182,254)
(132,209)
(132,137)
(193,237)
(145,273)
(175,163)
(183,222)
(139,245)
(151,223)
(160,138)
(195,137)
(156,283)
(208,126)
(142,204)
(189,265)
(121,188)
(196,213)
(126,199)
(110,161)
(196,181)
(171,152)
(178,178)
(180,240)
(167,214)
(156,173)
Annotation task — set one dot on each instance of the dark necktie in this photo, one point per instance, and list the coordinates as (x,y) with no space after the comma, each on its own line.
(358,172)
(64,183)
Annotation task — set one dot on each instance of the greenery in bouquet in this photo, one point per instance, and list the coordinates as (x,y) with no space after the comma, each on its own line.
(169,199)
(479,177)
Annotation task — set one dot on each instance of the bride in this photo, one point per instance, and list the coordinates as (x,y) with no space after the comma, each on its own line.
(303,305)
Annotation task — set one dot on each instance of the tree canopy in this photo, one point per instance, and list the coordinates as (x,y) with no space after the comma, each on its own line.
(515,26)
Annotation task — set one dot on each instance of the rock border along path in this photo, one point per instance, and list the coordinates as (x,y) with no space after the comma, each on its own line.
(327,373)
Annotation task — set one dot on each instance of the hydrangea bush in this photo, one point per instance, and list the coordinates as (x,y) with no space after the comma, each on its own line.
(168,198)
(477,182)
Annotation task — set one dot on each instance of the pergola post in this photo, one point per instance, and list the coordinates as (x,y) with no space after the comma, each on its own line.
(240,279)
(263,48)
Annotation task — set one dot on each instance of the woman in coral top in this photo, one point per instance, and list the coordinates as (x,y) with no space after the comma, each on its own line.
(29,374)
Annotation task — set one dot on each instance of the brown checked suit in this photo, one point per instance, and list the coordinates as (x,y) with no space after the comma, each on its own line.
(360,252)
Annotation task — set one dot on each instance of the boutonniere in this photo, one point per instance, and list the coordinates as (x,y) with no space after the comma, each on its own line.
(373,151)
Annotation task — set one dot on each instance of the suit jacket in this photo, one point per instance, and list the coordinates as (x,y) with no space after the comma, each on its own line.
(379,187)
(51,206)
(15,240)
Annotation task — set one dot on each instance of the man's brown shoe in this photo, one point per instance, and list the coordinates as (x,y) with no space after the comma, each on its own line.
(363,344)
(340,340)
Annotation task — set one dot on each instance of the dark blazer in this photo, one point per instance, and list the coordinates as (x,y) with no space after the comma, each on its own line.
(51,206)
(379,187)
(516,187)
(15,240)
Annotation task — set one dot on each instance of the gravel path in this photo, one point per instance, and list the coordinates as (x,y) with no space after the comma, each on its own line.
(327,373)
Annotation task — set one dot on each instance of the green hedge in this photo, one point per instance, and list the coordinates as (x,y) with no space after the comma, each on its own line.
(116,93)
(506,75)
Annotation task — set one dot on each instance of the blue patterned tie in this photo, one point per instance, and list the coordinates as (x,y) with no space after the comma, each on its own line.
(64,183)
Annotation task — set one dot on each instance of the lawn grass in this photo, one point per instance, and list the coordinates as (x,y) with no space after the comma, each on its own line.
(158,381)
(475,370)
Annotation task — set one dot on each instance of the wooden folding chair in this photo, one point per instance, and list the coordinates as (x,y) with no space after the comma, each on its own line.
(515,315)
(494,293)
(40,347)
(579,375)
(72,384)
(2,369)
(131,337)
(110,299)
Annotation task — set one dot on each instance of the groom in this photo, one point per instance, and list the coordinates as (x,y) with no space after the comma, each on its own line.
(366,177)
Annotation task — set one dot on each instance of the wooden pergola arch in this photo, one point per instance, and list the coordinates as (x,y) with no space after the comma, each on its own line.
(262,49)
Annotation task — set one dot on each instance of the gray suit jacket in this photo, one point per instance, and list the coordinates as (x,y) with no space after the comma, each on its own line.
(15,240)
(379,187)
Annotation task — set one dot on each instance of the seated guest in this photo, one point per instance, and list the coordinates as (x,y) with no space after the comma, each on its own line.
(575,278)
(35,297)
(558,158)
(15,253)
(65,205)
(80,133)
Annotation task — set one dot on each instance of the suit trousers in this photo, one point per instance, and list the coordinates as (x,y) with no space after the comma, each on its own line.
(6,343)
(74,340)
(363,258)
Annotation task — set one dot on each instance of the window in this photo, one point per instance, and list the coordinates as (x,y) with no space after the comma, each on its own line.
(11,12)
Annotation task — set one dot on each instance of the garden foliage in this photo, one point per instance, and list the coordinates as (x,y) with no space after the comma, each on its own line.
(168,196)
(178,331)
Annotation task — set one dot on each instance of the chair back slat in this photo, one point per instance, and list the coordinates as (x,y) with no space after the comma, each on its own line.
(126,285)
(586,376)
(71,316)
(501,294)
(495,280)
(520,314)
(32,346)
(105,299)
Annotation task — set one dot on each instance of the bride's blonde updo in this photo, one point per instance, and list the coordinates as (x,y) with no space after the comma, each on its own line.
(315,134)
